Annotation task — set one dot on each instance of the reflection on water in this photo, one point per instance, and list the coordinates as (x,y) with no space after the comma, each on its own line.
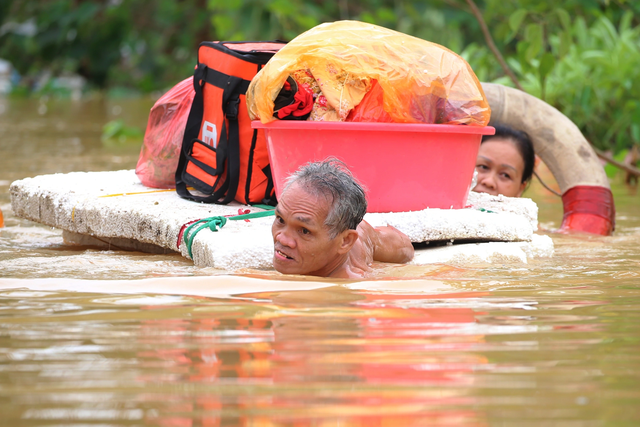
(325,357)
(550,343)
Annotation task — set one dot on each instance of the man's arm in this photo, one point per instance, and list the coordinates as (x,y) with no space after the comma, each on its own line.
(389,243)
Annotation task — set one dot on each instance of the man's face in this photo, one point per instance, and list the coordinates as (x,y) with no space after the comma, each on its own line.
(302,243)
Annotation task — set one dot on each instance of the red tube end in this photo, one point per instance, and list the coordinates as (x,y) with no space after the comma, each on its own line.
(588,209)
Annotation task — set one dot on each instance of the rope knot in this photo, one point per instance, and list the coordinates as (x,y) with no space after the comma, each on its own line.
(215,223)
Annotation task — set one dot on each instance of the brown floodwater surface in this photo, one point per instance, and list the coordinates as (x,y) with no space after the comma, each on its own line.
(93,337)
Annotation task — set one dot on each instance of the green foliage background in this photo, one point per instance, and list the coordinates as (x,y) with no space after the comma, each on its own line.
(581,56)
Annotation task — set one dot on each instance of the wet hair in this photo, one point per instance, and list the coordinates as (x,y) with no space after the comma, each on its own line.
(522,142)
(331,179)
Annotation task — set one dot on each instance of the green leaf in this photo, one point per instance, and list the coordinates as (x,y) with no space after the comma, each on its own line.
(224,4)
(368,17)
(626,23)
(565,43)
(501,31)
(596,57)
(565,18)
(386,15)
(612,170)
(634,106)
(112,128)
(611,33)
(522,48)
(116,130)
(635,132)
(516,18)
(547,62)
(305,21)
(581,32)
(533,35)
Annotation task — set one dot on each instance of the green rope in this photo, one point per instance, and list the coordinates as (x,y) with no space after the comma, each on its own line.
(215,223)
(265,207)
(485,210)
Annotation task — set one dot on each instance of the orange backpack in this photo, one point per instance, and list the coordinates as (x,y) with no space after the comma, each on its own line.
(222,157)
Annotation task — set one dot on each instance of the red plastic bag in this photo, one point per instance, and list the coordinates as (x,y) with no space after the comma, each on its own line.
(371,107)
(163,138)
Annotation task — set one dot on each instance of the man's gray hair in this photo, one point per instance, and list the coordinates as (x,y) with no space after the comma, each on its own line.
(332,179)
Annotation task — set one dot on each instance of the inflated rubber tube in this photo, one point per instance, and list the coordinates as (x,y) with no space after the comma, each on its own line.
(586,194)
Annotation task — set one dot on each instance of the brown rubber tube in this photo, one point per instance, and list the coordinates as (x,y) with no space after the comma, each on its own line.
(563,148)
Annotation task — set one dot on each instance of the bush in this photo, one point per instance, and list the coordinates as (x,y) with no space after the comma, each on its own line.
(594,80)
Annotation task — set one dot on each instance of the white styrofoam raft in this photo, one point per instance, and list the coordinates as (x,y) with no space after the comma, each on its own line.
(116,208)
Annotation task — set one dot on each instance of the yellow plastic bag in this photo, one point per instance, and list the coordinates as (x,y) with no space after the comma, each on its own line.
(421,82)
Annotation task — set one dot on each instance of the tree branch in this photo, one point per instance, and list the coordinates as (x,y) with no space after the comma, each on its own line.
(492,46)
(625,167)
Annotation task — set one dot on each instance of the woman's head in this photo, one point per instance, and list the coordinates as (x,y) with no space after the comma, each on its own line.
(505,162)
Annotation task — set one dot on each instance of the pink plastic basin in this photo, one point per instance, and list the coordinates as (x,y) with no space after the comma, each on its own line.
(404,167)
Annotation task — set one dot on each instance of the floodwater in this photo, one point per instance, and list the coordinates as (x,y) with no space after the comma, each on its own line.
(91,337)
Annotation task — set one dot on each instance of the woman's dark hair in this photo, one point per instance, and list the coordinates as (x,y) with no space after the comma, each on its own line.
(522,142)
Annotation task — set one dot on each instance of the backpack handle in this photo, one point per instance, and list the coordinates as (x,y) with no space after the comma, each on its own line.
(228,148)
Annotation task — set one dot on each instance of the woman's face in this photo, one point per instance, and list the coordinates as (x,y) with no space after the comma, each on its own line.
(500,167)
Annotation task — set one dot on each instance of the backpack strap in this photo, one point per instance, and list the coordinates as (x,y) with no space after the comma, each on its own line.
(228,147)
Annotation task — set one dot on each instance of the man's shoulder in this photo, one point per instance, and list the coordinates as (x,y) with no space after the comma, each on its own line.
(362,252)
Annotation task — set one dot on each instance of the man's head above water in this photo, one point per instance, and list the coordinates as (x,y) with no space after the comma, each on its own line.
(316,219)
(318,229)
(332,181)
